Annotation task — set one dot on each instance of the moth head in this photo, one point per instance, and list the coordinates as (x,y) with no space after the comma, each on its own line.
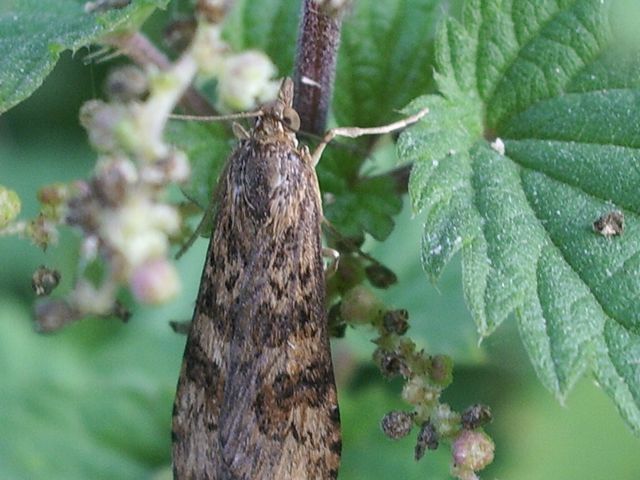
(288,116)
(279,117)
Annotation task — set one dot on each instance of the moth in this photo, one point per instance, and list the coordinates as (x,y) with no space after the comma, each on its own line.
(256,396)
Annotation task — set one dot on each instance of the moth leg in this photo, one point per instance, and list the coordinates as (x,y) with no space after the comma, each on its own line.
(239,132)
(180,327)
(355,132)
(334,259)
(208,215)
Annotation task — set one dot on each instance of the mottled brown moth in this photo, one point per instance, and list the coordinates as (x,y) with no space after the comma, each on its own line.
(256,396)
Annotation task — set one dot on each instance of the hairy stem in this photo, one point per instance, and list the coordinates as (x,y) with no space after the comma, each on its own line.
(143,52)
(316,55)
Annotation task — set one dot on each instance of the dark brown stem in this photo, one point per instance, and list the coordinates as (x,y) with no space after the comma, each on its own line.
(138,48)
(316,55)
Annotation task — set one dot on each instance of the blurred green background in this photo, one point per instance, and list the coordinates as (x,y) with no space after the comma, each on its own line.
(94,401)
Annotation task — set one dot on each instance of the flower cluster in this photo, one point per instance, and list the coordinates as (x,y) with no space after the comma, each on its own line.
(123,211)
(425,376)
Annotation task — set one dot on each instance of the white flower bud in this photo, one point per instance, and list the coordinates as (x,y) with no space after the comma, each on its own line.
(472,450)
(155,282)
(209,50)
(126,83)
(245,81)
(139,230)
(89,300)
(103,122)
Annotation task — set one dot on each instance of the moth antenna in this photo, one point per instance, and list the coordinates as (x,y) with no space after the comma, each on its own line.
(217,118)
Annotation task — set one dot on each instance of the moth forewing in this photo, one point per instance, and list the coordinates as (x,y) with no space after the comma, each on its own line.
(256,394)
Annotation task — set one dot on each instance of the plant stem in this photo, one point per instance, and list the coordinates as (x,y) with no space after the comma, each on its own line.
(316,55)
(138,48)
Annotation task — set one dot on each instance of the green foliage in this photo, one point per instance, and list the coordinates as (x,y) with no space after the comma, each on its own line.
(207,146)
(271,28)
(33,37)
(56,419)
(385,59)
(557,83)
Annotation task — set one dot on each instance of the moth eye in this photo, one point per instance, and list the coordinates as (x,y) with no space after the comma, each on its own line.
(291,119)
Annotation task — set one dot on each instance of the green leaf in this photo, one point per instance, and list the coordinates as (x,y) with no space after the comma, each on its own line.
(385,59)
(557,83)
(271,27)
(32,38)
(71,413)
(379,69)
(354,202)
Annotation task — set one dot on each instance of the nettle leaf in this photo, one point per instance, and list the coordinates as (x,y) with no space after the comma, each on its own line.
(32,38)
(385,59)
(356,203)
(271,28)
(557,83)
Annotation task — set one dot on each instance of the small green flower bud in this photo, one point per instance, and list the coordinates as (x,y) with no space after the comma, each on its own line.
(446,421)
(102,122)
(417,391)
(397,424)
(441,370)
(139,229)
(9,206)
(360,306)
(87,299)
